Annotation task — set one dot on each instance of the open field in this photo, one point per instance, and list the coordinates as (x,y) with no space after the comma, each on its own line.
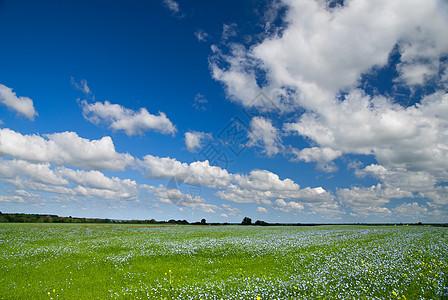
(79,261)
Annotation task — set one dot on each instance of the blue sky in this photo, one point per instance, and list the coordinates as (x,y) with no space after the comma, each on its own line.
(283,111)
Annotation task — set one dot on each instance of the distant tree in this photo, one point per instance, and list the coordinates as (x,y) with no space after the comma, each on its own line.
(203,222)
(246,221)
(261,223)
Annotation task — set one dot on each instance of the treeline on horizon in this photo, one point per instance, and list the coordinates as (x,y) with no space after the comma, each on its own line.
(45,218)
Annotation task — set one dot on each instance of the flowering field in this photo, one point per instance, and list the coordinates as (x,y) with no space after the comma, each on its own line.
(73,261)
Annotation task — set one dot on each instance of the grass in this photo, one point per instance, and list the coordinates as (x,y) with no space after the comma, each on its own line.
(91,261)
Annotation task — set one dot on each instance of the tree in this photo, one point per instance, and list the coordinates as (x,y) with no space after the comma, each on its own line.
(203,222)
(261,223)
(246,221)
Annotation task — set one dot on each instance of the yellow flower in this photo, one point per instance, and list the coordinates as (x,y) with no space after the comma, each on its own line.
(54,291)
(169,271)
(165,274)
(48,293)
(395,293)
(258,298)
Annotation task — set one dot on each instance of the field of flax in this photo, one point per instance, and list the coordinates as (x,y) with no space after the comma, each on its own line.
(87,261)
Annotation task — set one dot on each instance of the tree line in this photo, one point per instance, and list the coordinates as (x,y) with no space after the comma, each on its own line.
(45,218)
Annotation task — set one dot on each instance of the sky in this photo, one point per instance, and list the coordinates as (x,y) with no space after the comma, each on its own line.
(298,111)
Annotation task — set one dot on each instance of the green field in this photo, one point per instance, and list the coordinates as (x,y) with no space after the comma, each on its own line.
(91,261)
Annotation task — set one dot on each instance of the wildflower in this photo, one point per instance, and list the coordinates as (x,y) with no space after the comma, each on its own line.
(395,293)
(258,298)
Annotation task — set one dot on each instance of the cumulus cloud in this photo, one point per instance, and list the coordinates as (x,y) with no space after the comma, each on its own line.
(96,184)
(82,85)
(411,210)
(365,201)
(259,186)
(281,204)
(263,180)
(8,198)
(414,138)
(131,122)
(176,197)
(22,105)
(173,6)
(322,156)
(322,50)
(195,173)
(40,172)
(400,178)
(195,139)
(42,177)
(438,197)
(65,148)
(201,35)
(263,134)
(262,210)
(314,65)
(228,31)
(200,103)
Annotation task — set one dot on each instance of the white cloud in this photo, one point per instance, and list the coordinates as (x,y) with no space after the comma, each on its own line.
(96,184)
(325,51)
(400,178)
(65,148)
(438,196)
(282,205)
(8,198)
(366,201)
(195,173)
(22,105)
(263,134)
(173,6)
(131,122)
(42,178)
(176,197)
(260,186)
(323,156)
(82,85)
(200,103)
(201,35)
(230,209)
(195,139)
(228,31)
(262,210)
(41,173)
(263,180)
(416,73)
(414,138)
(25,194)
(322,52)
(411,210)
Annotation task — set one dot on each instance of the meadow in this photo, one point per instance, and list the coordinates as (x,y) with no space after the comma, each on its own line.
(110,261)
